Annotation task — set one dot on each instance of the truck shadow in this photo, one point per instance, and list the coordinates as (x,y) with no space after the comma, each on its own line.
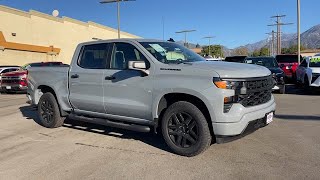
(150,138)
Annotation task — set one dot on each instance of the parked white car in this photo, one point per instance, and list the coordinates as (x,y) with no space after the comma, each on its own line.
(308,72)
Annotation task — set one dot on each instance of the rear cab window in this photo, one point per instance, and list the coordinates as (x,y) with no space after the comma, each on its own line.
(94,56)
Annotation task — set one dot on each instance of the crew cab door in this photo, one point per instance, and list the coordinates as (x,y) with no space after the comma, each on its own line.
(127,92)
(86,78)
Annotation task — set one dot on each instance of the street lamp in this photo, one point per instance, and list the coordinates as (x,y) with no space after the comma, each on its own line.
(185,34)
(209,38)
(118,10)
(298,29)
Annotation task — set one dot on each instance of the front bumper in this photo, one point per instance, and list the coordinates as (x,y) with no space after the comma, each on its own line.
(13,88)
(237,128)
(251,127)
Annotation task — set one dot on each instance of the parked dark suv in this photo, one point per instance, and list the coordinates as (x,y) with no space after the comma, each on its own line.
(272,65)
(238,59)
(289,64)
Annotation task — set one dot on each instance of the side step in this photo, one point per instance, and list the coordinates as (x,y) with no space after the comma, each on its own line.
(109,123)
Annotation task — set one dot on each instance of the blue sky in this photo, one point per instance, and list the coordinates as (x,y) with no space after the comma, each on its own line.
(233,22)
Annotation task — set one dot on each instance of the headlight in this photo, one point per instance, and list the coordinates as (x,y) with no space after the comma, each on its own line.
(225,84)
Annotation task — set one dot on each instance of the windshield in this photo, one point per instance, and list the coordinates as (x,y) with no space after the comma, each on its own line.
(266,62)
(171,53)
(315,62)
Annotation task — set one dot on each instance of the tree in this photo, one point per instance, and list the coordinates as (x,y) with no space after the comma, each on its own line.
(292,49)
(264,51)
(243,51)
(215,50)
(261,52)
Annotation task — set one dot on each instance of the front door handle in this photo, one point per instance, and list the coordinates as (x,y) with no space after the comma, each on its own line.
(110,78)
(74,76)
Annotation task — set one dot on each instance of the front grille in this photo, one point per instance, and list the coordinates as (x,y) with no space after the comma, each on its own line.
(259,91)
(10,80)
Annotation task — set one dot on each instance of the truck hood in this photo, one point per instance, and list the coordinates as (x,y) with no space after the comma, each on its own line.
(233,70)
(15,73)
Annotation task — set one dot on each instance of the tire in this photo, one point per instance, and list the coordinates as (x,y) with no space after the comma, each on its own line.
(185,129)
(282,90)
(49,112)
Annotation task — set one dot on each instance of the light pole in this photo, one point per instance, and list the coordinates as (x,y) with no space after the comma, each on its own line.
(298,29)
(118,10)
(209,38)
(185,35)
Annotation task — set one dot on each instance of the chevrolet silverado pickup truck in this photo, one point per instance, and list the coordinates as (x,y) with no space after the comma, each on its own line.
(150,85)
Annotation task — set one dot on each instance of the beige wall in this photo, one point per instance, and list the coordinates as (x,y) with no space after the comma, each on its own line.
(45,30)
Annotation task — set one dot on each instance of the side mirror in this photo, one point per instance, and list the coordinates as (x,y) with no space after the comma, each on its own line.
(138,65)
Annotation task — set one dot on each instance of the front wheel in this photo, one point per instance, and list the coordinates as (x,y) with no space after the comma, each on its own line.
(282,90)
(185,129)
(49,112)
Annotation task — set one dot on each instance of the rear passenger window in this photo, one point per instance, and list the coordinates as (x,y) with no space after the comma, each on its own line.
(94,56)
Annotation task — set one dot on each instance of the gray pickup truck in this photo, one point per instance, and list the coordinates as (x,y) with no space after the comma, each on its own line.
(144,85)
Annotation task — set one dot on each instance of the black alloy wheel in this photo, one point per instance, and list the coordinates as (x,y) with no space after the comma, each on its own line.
(183,130)
(49,112)
(46,111)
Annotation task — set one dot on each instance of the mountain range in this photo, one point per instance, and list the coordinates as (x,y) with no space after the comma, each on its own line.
(309,39)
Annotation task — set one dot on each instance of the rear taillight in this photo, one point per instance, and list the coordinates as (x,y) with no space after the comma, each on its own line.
(23,80)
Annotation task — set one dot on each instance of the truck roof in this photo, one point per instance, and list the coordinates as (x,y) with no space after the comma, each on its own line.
(122,40)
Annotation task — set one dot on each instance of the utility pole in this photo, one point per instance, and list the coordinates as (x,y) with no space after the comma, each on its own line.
(118,10)
(185,36)
(209,38)
(279,24)
(298,29)
(272,42)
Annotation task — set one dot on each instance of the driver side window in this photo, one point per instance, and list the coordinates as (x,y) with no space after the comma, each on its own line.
(123,53)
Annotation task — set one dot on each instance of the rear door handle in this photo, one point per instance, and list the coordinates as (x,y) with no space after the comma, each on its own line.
(74,76)
(110,78)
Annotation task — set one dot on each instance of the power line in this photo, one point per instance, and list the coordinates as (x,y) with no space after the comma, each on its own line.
(279,24)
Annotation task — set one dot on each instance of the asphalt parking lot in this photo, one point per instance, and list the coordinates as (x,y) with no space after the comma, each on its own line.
(289,148)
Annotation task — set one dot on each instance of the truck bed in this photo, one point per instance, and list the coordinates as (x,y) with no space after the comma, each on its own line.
(55,78)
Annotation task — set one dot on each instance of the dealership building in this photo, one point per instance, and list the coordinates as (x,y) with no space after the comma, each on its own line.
(37,37)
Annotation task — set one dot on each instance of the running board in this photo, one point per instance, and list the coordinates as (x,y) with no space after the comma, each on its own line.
(106,122)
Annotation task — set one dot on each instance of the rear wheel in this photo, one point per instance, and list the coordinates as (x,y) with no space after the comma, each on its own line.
(185,129)
(49,112)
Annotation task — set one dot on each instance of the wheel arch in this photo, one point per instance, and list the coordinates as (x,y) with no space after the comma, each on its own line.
(44,89)
(169,98)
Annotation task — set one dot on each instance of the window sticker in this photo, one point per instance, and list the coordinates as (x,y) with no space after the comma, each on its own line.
(315,59)
(158,48)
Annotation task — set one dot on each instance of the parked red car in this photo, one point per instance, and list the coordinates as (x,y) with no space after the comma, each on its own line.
(289,64)
(17,81)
